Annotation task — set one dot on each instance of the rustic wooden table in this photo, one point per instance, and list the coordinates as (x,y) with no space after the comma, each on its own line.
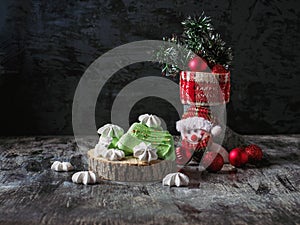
(30,193)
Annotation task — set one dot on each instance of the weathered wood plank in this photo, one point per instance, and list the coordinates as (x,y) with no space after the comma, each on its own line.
(30,193)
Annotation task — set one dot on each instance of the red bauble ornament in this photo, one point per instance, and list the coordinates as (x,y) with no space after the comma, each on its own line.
(254,153)
(213,161)
(197,64)
(238,157)
(218,69)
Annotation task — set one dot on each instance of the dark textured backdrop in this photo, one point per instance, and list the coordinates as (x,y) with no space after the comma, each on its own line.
(47,45)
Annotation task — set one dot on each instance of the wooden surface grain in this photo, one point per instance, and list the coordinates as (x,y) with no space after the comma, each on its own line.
(30,193)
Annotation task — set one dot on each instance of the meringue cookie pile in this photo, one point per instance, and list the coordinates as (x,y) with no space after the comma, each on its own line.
(145,152)
(176,179)
(84,177)
(145,140)
(62,166)
(106,147)
(149,131)
(150,120)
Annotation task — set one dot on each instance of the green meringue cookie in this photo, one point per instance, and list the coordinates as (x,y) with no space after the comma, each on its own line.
(161,140)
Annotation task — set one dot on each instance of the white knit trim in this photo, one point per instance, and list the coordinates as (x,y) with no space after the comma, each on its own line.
(207,77)
(193,123)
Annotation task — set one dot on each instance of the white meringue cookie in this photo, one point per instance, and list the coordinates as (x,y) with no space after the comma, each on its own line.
(110,130)
(150,120)
(62,166)
(105,141)
(145,152)
(113,154)
(84,177)
(100,150)
(176,179)
(102,146)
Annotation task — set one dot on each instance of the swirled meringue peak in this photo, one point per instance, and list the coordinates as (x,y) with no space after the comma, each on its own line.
(176,179)
(84,177)
(111,130)
(144,152)
(113,154)
(150,120)
(62,166)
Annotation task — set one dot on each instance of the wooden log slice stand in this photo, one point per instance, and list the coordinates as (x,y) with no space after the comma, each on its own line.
(130,169)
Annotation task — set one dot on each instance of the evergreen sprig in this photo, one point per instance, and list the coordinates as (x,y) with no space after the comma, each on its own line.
(199,37)
(173,53)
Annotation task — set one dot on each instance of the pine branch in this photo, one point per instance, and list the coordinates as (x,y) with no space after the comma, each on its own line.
(175,54)
(199,37)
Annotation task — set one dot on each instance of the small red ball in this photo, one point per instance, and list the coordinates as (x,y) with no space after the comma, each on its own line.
(238,157)
(218,69)
(197,64)
(254,153)
(213,161)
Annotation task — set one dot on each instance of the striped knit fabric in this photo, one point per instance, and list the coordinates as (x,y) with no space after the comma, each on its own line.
(203,89)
